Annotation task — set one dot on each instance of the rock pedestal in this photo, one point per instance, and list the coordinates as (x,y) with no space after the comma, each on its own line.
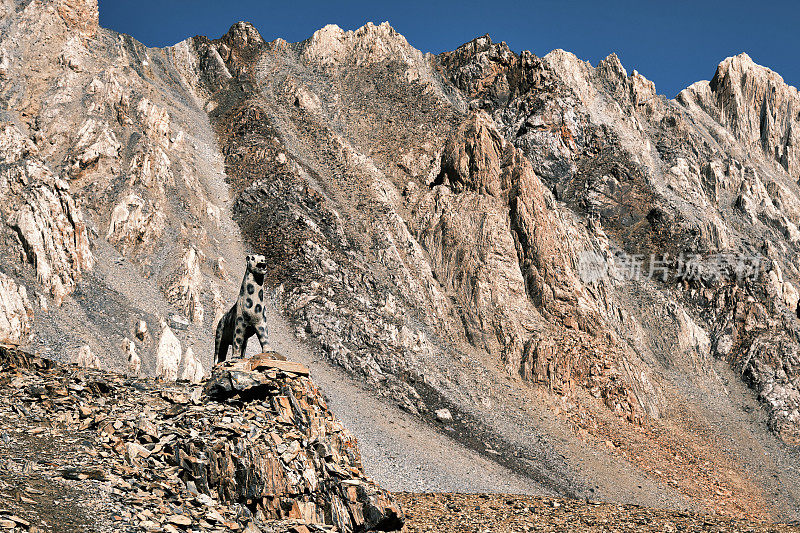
(301,463)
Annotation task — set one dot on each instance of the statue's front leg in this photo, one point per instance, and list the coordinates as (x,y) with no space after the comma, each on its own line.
(263,339)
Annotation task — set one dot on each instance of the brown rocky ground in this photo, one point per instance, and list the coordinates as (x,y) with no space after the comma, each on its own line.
(489,513)
(254,450)
(86,450)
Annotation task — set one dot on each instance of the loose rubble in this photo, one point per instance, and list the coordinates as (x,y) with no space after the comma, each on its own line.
(510,513)
(425,219)
(254,448)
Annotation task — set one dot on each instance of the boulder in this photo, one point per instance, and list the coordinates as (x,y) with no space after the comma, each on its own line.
(168,355)
(53,235)
(192,367)
(84,358)
(141,330)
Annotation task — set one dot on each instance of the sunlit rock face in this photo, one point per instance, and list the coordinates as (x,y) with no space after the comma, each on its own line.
(429,214)
(82,16)
(112,184)
(16,312)
(756,106)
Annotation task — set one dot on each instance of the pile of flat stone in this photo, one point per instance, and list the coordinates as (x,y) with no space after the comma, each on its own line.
(253,448)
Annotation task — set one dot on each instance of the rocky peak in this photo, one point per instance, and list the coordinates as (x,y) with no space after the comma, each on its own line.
(612,67)
(609,75)
(475,63)
(244,35)
(491,73)
(572,70)
(332,45)
(756,106)
(482,46)
(636,87)
(478,44)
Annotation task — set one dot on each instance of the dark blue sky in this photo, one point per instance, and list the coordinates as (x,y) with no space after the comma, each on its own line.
(672,43)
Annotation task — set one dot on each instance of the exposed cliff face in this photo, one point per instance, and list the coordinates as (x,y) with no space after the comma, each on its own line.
(49,226)
(465,230)
(496,239)
(112,188)
(661,176)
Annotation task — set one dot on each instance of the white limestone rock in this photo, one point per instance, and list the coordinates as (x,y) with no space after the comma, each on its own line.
(135,227)
(186,286)
(16,313)
(192,367)
(84,358)
(134,362)
(168,355)
(54,237)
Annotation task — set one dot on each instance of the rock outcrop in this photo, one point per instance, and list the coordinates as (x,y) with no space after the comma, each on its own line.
(253,447)
(53,235)
(16,313)
(168,355)
(187,286)
(85,358)
(50,228)
(322,483)
(192,367)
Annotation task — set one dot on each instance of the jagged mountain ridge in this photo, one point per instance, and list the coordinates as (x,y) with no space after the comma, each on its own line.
(425,219)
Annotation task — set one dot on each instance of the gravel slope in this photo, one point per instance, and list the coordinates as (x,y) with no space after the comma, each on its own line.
(399,452)
(504,513)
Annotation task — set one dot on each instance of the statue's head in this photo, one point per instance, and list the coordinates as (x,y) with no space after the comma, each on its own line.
(257,264)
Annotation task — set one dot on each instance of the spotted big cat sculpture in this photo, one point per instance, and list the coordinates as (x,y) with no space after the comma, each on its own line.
(247,317)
